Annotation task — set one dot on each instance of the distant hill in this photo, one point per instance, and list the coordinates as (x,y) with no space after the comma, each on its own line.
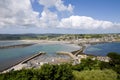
(27,36)
(52,36)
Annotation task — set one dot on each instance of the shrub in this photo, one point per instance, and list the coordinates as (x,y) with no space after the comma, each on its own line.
(95,75)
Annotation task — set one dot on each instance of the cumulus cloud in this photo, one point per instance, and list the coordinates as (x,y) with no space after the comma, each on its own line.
(17,12)
(84,22)
(48,19)
(20,13)
(58,4)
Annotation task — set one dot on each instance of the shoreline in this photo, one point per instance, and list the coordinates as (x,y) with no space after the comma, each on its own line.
(51,42)
(22,62)
(33,42)
(15,46)
(26,60)
(37,41)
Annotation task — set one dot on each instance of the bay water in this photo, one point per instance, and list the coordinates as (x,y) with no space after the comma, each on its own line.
(11,56)
(103,49)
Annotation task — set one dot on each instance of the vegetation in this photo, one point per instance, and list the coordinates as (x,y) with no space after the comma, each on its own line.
(115,62)
(88,69)
(28,36)
(46,72)
(95,75)
(53,36)
(87,64)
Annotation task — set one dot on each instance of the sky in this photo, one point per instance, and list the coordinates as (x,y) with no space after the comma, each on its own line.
(59,16)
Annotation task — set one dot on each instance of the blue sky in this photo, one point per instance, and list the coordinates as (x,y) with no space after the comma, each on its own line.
(59,16)
(98,9)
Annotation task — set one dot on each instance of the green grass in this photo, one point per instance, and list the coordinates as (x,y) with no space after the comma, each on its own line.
(95,75)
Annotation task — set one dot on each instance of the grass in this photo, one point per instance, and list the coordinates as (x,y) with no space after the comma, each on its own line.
(95,75)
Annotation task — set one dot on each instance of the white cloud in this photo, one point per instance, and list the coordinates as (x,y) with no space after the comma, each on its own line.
(16,12)
(58,4)
(84,22)
(20,13)
(48,19)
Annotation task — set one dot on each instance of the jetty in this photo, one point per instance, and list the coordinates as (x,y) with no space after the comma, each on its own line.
(21,64)
(67,53)
(73,54)
(28,59)
(16,46)
(80,51)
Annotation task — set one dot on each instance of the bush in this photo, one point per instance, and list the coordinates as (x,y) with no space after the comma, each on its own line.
(87,64)
(95,75)
(46,72)
(56,72)
(90,70)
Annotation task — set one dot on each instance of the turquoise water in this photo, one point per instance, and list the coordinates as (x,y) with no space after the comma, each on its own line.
(11,56)
(103,49)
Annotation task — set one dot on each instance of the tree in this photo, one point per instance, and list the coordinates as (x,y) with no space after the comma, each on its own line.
(115,58)
(87,64)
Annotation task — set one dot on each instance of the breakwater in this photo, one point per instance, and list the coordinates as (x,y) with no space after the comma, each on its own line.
(26,60)
(11,56)
(79,51)
(67,53)
(10,68)
(16,46)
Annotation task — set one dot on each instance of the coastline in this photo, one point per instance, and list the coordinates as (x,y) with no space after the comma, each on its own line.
(21,62)
(36,42)
(19,65)
(59,42)
(47,42)
(29,43)
(39,41)
(15,46)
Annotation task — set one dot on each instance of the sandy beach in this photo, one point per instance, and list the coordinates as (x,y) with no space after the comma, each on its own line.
(44,41)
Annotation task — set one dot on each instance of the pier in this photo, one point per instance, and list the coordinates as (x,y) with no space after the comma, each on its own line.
(74,58)
(20,64)
(80,51)
(67,53)
(26,60)
(16,46)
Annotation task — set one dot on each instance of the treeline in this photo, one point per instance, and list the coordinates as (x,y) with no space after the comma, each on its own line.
(88,69)
(27,36)
(51,36)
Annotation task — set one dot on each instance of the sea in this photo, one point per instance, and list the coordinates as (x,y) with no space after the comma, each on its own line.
(103,49)
(11,56)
